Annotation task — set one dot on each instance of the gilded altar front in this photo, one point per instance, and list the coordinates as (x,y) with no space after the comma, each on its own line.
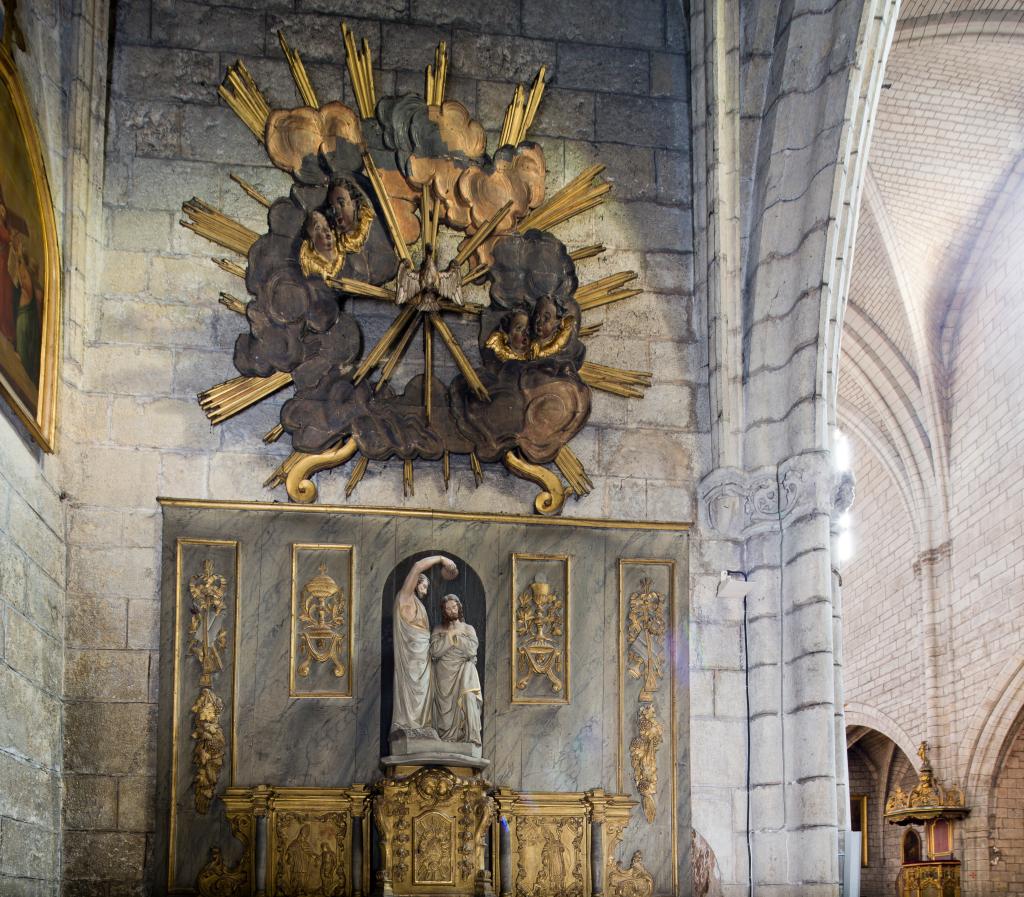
(930,879)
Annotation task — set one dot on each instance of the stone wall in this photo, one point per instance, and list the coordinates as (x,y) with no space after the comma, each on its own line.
(1008,864)
(32,527)
(153,333)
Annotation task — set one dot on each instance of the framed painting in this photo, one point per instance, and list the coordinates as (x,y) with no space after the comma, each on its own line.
(29,266)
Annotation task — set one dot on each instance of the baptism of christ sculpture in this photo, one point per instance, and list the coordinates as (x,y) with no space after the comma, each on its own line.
(436,688)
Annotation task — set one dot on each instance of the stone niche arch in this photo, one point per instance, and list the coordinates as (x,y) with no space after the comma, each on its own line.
(467,585)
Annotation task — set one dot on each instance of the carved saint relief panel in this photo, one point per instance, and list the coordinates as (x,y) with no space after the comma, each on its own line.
(310,853)
(550,856)
(322,637)
(540,629)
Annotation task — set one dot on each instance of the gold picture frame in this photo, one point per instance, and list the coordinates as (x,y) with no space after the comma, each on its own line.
(30,289)
(859,823)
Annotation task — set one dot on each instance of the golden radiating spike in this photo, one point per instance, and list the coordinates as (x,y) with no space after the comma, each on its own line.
(233,302)
(513,118)
(425,217)
(428,90)
(299,75)
(215,226)
(273,434)
(478,272)
(230,266)
(408,487)
(478,471)
(358,471)
(227,399)
(240,92)
(390,218)
(250,190)
(428,369)
(385,343)
(360,288)
(397,354)
(460,358)
(281,472)
(461,309)
(575,197)
(590,330)
(360,71)
(446,470)
(485,230)
(586,252)
(608,298)
(619,381)
(533,103)
(573,471)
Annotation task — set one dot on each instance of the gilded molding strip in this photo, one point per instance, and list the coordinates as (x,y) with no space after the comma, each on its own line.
(639,616)
(322,624)
(179,651)
(425,513)
(541,644)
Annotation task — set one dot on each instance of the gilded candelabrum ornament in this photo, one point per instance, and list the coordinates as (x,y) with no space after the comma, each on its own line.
(539,620)
(646,628)
(207,638)
(208,750)
(323,619)
(643,753)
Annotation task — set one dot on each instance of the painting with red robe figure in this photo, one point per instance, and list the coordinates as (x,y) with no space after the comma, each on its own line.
(29,270)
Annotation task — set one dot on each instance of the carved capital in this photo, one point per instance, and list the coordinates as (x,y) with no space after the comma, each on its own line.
(736,504)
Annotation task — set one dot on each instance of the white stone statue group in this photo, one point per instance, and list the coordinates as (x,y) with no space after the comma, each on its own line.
(437,700)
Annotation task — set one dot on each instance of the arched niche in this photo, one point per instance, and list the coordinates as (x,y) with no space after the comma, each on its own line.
(467,585)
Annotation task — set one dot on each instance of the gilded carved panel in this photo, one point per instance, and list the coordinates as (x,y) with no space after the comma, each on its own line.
(205,629)
(540,629)
(551,856)
(322,630)
(310,853)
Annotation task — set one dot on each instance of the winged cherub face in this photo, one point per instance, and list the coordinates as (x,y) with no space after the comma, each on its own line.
(519,331)
(545,318)
(344,207)
(320,234)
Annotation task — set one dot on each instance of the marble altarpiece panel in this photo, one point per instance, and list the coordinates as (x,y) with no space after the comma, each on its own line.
(296,630)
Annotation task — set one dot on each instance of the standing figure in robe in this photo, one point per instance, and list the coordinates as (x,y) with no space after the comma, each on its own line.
(411,707)
(6,277)
(455,691)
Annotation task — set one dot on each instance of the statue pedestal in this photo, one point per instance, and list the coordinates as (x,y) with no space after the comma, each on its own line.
(432,815)
(405,743)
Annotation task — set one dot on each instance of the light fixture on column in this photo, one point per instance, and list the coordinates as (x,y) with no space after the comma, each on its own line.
(734,584)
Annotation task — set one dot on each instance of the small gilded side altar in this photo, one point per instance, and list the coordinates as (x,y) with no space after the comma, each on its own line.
(295,760)
(930,869)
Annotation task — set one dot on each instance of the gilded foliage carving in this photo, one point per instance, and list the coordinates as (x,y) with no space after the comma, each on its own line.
(207,637)
(643,754)
(322,614)
(208,749)
(539,621)
(630,881)
(216,879)
(646,631)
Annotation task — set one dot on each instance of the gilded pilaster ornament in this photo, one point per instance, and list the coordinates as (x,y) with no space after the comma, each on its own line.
(208,750)
(643,754)
(539,622)
(323,618)
(645,630)
(207,637)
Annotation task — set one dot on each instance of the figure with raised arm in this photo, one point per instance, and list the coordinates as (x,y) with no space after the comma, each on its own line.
(411,713)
